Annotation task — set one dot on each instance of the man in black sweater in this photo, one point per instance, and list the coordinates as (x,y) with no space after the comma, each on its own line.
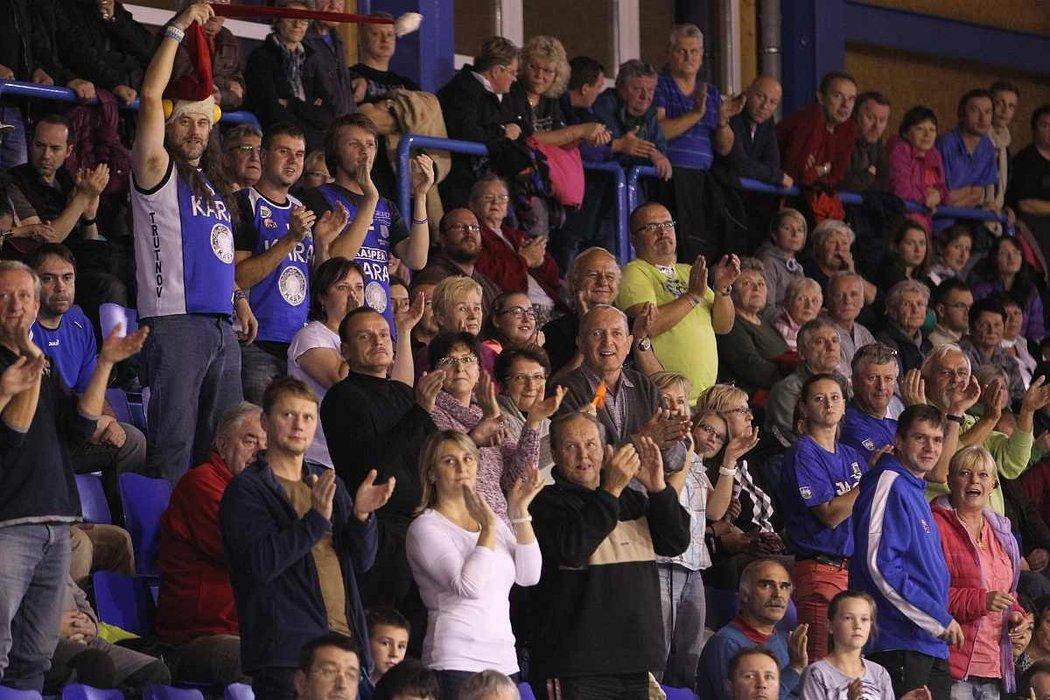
(598,629)
(38,495)
(373,422)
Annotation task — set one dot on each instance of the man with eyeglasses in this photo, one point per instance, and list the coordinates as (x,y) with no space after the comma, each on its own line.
(952,300)
(329,669)
(459,246)
(274,254)
(763,595)
(689,312)
(899,560)
(241,158)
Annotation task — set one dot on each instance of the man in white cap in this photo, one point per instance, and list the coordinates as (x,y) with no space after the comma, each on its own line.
(184,256)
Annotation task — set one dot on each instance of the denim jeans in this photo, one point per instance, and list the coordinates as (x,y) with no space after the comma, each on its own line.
(976,689)
(258,369)
(32,590)
(193,369)
(13,144)
(684,608)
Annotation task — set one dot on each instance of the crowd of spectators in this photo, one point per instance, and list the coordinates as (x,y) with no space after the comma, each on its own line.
(441,452)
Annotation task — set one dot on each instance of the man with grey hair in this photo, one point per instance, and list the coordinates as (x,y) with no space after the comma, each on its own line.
(195,611)
(489,685)
(600,538)
(628,113)
(845,299)
(241,163)
(906,311)
(38,495)
(629,405)
(818,348)
(871,417)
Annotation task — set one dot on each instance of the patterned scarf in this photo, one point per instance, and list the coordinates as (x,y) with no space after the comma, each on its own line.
(293,66)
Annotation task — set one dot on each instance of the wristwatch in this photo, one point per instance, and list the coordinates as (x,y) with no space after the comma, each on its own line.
(645,344)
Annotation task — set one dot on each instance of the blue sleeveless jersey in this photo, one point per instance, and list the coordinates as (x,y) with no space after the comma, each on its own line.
(183,250)
(374,255)
(281,300)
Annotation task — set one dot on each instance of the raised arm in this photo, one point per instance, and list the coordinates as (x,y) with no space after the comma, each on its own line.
(149,159)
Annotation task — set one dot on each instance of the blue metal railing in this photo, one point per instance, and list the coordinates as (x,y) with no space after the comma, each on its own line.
(410,142)
(63,94)
(750,185)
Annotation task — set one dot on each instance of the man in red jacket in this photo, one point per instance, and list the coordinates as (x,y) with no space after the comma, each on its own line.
(196,609)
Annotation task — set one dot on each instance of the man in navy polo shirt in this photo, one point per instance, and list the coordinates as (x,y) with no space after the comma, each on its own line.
(869,423)
(820,482)
(66,336)
(274,252)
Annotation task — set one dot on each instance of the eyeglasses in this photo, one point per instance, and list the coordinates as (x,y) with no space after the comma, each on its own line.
(540,70)
(528,378)
(473,228)
(451,362)
(743,410)
(494,198)
(245,149)
(656,226)
(711,431)
(519,311)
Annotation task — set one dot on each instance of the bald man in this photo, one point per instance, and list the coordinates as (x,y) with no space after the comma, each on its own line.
(755,152)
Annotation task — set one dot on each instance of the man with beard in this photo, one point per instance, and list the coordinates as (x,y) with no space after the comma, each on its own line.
(184,264)
(868,424)
(297,544)
(376,229)
(765,587)
(459,246)
(899,560)
(275,252)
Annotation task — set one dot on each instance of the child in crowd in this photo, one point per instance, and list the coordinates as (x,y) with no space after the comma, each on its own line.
(388,632)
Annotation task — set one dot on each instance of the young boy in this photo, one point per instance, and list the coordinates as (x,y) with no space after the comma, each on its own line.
(388,636)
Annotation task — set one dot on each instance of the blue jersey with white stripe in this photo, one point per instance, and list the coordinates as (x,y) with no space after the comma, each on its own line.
(281,300)
(898,559)
(183,250)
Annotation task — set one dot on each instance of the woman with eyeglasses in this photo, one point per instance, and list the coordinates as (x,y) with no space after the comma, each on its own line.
(753,353)
(467,402)
(682,596)
(512,323)
(511,258)
(522,373)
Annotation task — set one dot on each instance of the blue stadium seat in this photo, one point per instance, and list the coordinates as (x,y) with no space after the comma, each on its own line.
(118,401)
(239,691)
(12,694)
(167,692)
(679,693)
(123,601)
(93,502)
(144,500)
(78,691)
(525,691)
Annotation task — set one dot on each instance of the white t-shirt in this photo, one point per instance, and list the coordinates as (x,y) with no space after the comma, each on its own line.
(822,681)
(465,588)
(313,335)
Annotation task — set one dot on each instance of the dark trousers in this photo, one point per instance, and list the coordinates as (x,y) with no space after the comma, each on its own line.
(911,669)
(274,683)
(626,686)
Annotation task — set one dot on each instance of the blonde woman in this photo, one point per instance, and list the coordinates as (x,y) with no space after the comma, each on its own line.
(465,560)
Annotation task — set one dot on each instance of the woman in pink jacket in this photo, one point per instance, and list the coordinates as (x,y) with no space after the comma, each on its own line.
(916,168)
(984,564)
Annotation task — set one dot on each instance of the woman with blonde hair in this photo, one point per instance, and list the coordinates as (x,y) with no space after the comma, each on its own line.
(465,560)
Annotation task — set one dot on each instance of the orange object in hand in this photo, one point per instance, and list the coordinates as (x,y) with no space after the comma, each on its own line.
(599,396)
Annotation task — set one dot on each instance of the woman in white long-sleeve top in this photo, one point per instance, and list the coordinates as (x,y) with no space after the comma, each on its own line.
(465,560)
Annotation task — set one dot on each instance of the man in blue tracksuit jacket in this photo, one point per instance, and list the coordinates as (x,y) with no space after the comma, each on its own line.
(898,559)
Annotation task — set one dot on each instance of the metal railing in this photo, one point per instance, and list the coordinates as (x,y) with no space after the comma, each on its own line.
(945,212)
(57,93)
(410,142)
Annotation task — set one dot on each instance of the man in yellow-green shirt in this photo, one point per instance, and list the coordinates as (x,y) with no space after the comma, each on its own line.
(690,313)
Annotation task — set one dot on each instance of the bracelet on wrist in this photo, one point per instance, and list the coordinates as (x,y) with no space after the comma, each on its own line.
(954,419)
(173,32)
(88,222)
(519,521)
(420,222)
(727,472)
(693,299)
(240,294)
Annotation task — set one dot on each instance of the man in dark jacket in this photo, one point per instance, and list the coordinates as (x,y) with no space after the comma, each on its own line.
(597,606)
(297,543)
(755,151)
(327,63)
(38,495)
(472,105)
